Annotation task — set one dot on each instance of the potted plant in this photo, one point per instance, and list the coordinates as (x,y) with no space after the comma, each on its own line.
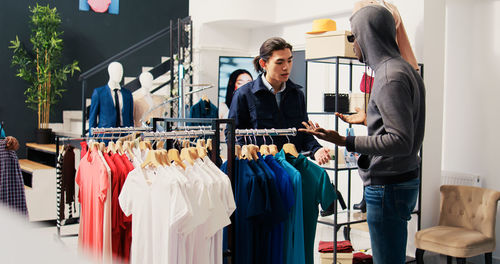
(41,66)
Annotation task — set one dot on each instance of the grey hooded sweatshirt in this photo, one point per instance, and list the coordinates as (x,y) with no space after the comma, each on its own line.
(396,110)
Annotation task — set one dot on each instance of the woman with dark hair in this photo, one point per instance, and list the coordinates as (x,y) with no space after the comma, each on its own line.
(237,79)
(274,101)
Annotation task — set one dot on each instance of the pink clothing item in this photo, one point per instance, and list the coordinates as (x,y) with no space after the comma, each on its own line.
(401,36)
(92,179)
(99,6)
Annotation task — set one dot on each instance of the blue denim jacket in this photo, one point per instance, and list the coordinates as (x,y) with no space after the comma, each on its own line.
(254,106)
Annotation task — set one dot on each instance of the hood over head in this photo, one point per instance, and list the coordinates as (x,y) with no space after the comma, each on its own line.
(375,32)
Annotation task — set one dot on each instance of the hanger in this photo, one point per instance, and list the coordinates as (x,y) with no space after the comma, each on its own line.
(273,149)
(200,147)
(237,151)
(119,147)
(151,159)
(112,147)
(204,97)
(209,144)
(173,156)
(289,148)
(264,148)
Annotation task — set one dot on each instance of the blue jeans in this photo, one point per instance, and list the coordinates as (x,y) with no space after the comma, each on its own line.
(389,208)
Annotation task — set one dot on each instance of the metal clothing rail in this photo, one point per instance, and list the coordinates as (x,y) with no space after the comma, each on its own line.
(177,134)
(266,132)
(114,130)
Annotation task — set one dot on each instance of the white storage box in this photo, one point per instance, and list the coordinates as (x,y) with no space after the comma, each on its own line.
(342,258)
(329,44)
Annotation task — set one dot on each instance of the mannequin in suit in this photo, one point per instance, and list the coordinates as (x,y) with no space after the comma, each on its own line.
(143,104)
(103,106)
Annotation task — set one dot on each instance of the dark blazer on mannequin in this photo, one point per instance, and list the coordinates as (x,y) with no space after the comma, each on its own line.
(102,105)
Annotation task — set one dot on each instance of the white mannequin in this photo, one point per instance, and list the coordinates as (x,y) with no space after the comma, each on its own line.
(115,70)
(143,104)
(146,80)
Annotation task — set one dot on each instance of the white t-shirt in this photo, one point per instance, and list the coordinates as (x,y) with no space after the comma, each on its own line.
(170,207)
(217,248)
(135,199)
(199,192)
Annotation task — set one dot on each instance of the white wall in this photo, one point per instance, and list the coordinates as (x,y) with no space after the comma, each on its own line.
(470,141)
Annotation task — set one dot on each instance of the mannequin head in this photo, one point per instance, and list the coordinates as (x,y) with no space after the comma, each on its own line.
(146,80)
(115,70)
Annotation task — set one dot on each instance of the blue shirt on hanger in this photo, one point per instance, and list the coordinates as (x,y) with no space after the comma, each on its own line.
(251,197)
(287,195)
(294,252)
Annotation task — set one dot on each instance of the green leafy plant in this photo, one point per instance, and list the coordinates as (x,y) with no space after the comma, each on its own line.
(41,67)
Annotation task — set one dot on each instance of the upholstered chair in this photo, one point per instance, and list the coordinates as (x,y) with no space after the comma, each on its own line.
(466,225)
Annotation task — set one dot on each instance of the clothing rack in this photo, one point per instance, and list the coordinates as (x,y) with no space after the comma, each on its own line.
(62,139)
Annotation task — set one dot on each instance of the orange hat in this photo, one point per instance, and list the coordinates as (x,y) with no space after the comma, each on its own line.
(323,25)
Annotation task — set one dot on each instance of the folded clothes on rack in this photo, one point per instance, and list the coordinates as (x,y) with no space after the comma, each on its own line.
(342,247)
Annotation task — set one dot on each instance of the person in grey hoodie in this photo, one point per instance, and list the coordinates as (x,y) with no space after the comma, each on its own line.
(390,163)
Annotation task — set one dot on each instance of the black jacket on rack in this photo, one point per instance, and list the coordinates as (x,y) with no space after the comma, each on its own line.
(254,106)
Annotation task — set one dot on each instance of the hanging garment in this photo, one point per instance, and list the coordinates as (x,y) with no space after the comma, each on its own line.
(285,189)
(202,109)
(11,181)
(143,196)
(317,189)
(59,191)
(294,252)
(68,178)
(92,179)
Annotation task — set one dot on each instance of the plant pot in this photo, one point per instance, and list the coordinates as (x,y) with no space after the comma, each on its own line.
(44,136)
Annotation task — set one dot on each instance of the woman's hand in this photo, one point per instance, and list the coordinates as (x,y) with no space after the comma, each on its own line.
(359,118)
(11,143)
(324,134)
(322,156)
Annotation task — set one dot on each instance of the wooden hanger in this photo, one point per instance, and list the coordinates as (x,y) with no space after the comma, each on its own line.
(102,147)
(173,156)
(112,147)
(148,144)
(160,145)
(209,144)
(273,149)
(164,157)
(237,151)
(264,150)
(186,156)
(142,145)
(151,159)
(205,98)
(119,147)
(194,153)
(289,148)
(245,153)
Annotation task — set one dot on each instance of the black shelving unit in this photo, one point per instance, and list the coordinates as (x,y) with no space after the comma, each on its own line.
(347,217)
